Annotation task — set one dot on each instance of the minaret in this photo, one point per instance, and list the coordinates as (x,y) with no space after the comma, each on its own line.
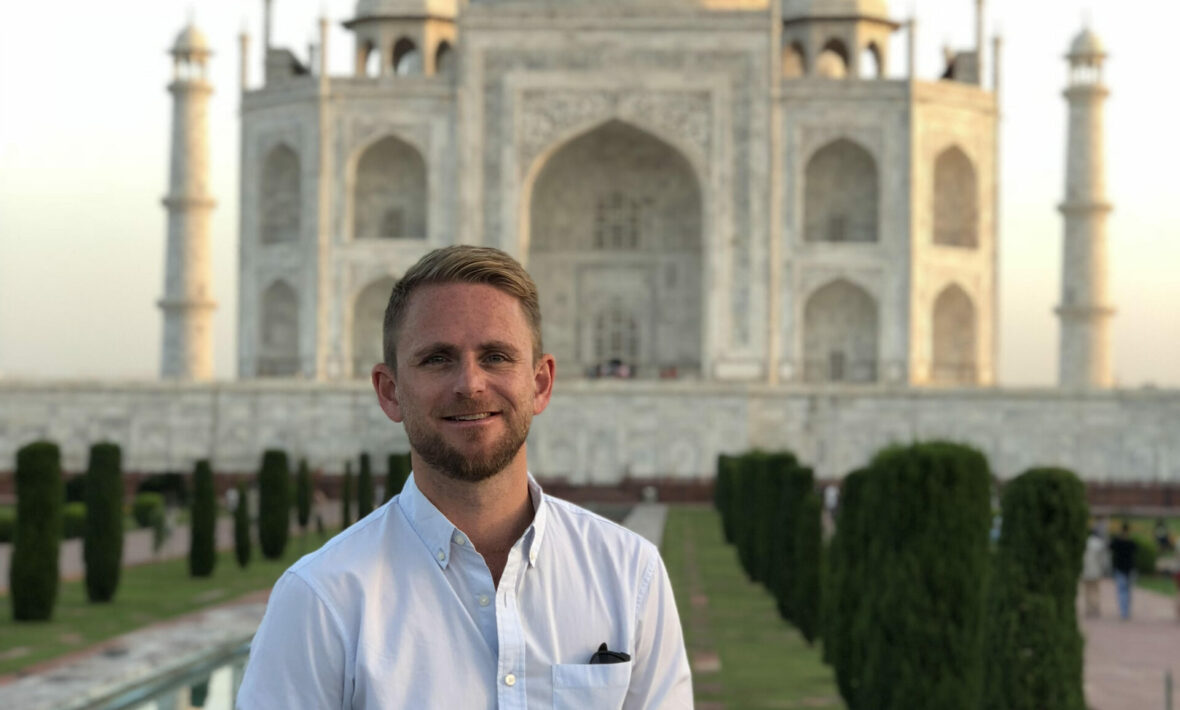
(1085,310)
(187,303)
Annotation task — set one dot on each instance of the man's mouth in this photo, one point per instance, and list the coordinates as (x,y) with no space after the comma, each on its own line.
(470,417)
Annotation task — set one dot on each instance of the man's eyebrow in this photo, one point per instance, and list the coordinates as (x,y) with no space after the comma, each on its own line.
(499,345)
(434,348)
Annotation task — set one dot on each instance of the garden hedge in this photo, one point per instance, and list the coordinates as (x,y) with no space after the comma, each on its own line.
(803,581)
(242,542)
(274,503)
(33,567)
(724,493)
(346,497)
(202,552)
(396,474)
(303,495)
(102,548)
(364,488)
(147,509)
(1032,645)
(924,578)
(796,483)
(847,587)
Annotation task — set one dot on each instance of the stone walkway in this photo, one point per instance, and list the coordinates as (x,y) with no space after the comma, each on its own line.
(1126,660)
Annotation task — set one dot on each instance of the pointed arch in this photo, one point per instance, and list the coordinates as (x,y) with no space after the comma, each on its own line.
(956,200)
(840,334)
(615,217)
(444,58)
(368,318)
(407,60)
(389,193)
(833,60)
(955,338)
(871,66)
(841,194)
(279,190)
(278,336)
(794,61)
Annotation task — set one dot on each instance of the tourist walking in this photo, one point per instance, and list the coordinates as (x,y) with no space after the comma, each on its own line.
(1122,552)
(1093,565)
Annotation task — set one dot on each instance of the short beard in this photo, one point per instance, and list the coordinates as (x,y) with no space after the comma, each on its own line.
(453,464)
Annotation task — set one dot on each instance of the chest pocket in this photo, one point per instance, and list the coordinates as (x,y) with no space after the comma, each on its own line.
(583,686)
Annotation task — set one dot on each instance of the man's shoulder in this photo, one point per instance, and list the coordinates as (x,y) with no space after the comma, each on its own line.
(573,519)
(350,552)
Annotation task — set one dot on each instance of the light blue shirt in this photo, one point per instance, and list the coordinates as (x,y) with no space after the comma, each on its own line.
(399,611)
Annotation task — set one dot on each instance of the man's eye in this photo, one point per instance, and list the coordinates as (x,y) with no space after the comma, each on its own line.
(434,360)
(497,358)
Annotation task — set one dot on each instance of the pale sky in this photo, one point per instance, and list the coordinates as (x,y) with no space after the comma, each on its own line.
(84,140)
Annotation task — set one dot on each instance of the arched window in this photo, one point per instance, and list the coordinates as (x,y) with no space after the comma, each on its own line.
(954,345)
(870,62)
(956,211)
(407,60)
(444,58)
(832,62)
(615,217)
(368,317)
(278,344)
(794,61)
(390,197)
(841,194)
(372,60)
(840,334)
(280,199)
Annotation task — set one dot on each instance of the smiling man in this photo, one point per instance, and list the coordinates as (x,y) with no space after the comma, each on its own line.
(471,588)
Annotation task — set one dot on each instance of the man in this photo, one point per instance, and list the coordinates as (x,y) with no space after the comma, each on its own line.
(1093,566)
(471,588)
(1122,553)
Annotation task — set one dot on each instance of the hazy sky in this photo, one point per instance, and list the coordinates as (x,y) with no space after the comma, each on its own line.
(84,131)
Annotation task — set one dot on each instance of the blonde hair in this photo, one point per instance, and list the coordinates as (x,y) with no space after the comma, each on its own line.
(462,264)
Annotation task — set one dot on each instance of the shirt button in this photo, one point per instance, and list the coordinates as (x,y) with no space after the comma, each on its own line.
(483,600)
(509,680)
(532,555)
(441,555)
(460,540)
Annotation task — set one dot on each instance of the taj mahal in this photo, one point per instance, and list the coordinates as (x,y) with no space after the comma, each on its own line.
(750,223)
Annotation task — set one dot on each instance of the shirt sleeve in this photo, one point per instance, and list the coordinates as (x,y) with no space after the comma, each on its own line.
(660,676)
(298,657)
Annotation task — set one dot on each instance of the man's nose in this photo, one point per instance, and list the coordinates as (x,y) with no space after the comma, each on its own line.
(470,379)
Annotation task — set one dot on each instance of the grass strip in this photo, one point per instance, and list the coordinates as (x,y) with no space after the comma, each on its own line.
(765,663)
(147,594)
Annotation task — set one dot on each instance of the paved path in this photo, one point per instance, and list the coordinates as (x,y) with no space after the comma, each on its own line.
(1126,660)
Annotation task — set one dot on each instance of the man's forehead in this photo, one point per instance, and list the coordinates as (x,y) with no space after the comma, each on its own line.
(463,308)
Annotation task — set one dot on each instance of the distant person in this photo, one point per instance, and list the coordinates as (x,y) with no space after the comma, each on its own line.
(1093,567)
(1163,536)
(1122,555)
(471,589)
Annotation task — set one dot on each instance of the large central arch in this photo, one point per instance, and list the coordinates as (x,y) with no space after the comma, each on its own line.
(615,225)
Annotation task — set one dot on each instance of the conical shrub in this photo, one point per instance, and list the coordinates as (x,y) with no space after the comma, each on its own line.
(364,488)
(303,495)
(274,504)
(202,553)
(40,494)
(396,474)
(102,546)
(242,542)
(346,497)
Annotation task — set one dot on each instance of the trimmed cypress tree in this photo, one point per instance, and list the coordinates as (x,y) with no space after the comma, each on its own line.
(346,497)
(724,491)
(752,467)
(804,581)
(396,474)
(303,495)
(33,573)
(848,587)
(926,571)
(102,545)
(242,526)
(797,482)
(202,551)
(1032,645)
(364,488)
(274,504)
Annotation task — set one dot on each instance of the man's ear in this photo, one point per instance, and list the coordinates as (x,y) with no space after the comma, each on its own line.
(385,384)
(543,376)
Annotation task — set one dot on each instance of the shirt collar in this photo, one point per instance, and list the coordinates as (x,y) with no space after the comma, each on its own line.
(437,532)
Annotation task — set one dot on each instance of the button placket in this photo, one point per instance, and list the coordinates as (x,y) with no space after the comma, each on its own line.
(510,635)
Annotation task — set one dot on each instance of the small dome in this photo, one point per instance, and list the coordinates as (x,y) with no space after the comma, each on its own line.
(835,8)
(401,8)
(1087,44)
(191,41)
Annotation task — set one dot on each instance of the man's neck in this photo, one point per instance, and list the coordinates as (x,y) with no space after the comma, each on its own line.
(493,513)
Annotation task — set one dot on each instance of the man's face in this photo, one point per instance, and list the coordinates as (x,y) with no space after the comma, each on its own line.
(466,386)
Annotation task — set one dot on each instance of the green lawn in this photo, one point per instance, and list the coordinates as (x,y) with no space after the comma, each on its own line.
(1159,583)
(147,594)
(765,663)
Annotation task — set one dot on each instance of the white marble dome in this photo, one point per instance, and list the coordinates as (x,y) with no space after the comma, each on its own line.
(191,41)
(396,8)
(835,8)
(1087,44)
